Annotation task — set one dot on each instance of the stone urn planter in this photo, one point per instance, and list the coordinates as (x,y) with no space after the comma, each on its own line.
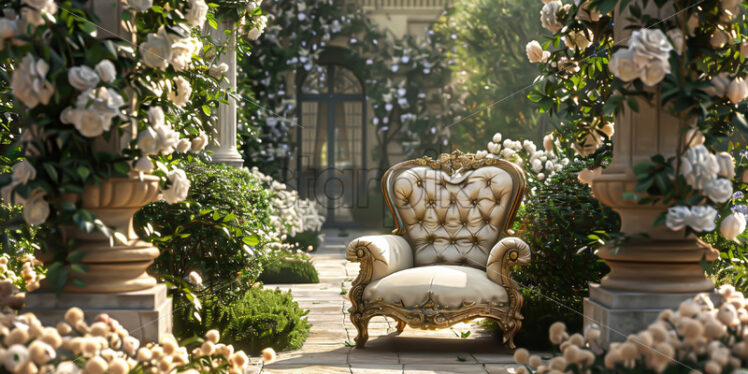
(116,281)
(122,266)
(657,268)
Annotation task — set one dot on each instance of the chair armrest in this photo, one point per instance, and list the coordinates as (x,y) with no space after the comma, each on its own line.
(507,253)
(380,256)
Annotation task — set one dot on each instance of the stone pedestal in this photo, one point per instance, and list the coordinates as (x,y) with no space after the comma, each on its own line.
(146,314)
(225,150)
(620,313)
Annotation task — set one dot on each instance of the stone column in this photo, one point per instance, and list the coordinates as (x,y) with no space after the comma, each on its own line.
(661,268)
(224,145)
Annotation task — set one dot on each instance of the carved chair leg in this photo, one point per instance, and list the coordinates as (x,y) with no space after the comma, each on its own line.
(400,326)
(510,329)
(362,326)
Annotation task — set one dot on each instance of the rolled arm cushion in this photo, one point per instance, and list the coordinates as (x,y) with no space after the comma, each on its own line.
(506,253)
(389,254)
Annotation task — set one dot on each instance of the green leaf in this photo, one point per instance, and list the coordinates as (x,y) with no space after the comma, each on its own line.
(206,109)
(213,24)
(51,171)
(83,172)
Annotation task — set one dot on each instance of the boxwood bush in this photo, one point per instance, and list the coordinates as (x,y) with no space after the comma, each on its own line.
(295,269)
(260,318)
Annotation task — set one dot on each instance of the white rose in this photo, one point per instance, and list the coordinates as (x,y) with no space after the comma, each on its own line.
(587,14)
(677,39)
(106,70)
(481,155)
(699,166)
(36,208)
(608,129)
(183,145)
(578,39)
(591,143)
(15,358)
(90,124)
(655,72)
(148,141)
(719,190)
(197,13)
(494,148)
(737,91)
(732,226)
(622,65)
(702,218)
(28,82)
(144,164)
(94,111)
(677,217)
(548,16)
(254,33)
(694,137)
(718,39)
(156,51)
(181,54)
(586,176)
(650,43)
(180,186)
(537,166)
(183,91)
(726,165)
(8,28)
(23,172)
(195,278)
(719,85)
(199,143)
(535,52)
(83,77)
(216,71)
(140,5)
(548,143)
(156,116)
(496,137)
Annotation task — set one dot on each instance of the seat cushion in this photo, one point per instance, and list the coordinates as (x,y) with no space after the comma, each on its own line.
(447,285)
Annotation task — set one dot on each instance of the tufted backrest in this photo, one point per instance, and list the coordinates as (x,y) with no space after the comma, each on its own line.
(453,210)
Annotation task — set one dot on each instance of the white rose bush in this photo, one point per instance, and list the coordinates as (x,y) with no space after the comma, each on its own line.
(693,64)
(703,335)
(88,105)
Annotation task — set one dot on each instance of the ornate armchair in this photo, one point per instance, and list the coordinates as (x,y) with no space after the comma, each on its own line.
(451,257)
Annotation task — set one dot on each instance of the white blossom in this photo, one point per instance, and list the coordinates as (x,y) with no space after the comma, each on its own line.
(737,91)
(156,116)
(36,208)
(694,137)
(726,165)
(719,85)
(148,141)
(199,142)
(83,77)
(548,16)
(197,14)
(29,84)
(699,166)
(677,39)
(140,5)
(23,172)
(155,52)
(15,357)
(106,70)
(719,190)
(183,145)
(216,71)
(699,218)
(732,226)
(646,57)
(144,164)
(578,39)
(535,52)
(183,91)
(180,186)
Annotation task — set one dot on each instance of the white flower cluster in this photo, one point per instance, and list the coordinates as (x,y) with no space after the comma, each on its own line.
(539,165)
(105,346)
(645,58)
(11,295)
(715,337)
(95,107)
(258,28)
(735,89)
(163,49)
(712,174)
(29,83)
(292,215)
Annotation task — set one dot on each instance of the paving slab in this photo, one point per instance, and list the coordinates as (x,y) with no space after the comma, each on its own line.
(445,369)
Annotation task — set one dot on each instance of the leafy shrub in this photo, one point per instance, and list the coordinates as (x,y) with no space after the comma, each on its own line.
(560,224)
(540,312)
(732,265)
(259,319)
(289,270)
(217,232)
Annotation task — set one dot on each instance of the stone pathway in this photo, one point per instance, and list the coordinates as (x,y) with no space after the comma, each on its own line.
(413,351)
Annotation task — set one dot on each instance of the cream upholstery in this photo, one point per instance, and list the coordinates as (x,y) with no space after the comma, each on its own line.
(390,253)
(451,219)
(452,255)
(446,285)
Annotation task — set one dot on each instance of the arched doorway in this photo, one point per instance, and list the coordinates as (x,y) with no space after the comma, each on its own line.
(331,141)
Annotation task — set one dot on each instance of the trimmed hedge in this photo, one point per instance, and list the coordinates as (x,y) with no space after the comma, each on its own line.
(283,271)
